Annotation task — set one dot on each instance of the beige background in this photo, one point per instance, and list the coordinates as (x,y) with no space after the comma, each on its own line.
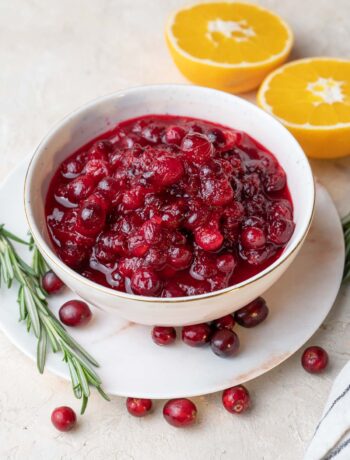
(57,55)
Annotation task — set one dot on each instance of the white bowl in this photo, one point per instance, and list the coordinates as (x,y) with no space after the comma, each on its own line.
(104,113)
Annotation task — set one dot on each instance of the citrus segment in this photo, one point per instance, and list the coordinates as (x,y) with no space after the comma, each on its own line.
(230,46)
(312,98)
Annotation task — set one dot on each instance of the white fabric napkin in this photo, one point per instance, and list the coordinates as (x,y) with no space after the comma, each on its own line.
(332,435)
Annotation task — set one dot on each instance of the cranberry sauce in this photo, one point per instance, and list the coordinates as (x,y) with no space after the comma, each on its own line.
(169,206)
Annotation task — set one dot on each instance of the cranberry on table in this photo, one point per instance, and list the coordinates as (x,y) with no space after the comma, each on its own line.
(75,313)
(225,343)
(225,322)
(180,412)
(51,282)
(236,399)
(252,314)
(163,335)
(139,407)
(314,360)
(196,335)
(63,418)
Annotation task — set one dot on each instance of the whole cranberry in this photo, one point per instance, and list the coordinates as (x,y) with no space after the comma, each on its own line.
(71,168)
(226,322)
(180,412)
(253,238)
(236,399)
(252,314)
(226,263)
(51,282)
(63,418)
(276,181)
(280,231)
(145,281)
(163,335)
(75,313)
(224,343)
(174,135)
(97,169)
(179,258)
(167,171)
(80,188)
(100,150)
(91,219)
(197,148)
(314,359)
(139,407)
(209,238)
(196,335)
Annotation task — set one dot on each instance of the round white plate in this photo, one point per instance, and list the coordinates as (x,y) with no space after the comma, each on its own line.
(132,365)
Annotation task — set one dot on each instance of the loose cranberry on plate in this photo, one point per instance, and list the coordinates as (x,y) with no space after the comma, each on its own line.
(225,343)
(196,335)
(225,322)
(139,407)
(63,418)
(252,314)
(314,360)
(51,282)
(75,313)
(236,399)
(163,335)
(180,412)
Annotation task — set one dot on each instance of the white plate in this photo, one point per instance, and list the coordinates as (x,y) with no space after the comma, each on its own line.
(132,365)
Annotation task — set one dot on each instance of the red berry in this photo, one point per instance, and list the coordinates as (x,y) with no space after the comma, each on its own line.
(253,238)
(196,335)
(63,418)
(75,313)
(236,399)
(226,322)
(280,231)
(91,219)
(197,148)
(80,188)
(167,171)
(180,412)
(314,359)
(209,238)
(174,135)
(145,281)
(163,335)
(51,282)
(224,343)
(252,314)
(139,407)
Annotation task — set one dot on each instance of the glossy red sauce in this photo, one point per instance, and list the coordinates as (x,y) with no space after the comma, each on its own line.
(169,206)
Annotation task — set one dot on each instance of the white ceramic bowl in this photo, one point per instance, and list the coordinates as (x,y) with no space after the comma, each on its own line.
(101,115)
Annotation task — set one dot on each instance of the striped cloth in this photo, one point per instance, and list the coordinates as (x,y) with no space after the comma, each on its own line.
(332,435)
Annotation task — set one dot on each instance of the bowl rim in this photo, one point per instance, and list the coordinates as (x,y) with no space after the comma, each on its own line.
(50,254)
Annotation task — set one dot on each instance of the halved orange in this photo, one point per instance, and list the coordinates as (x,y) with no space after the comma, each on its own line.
(311,97)
(227,45)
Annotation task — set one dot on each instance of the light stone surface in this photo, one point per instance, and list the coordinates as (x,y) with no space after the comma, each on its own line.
(56,55)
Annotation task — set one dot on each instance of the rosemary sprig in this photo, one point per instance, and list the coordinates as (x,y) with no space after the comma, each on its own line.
(33,309)
(346,230)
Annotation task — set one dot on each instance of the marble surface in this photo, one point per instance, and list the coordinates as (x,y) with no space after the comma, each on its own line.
(55,56)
